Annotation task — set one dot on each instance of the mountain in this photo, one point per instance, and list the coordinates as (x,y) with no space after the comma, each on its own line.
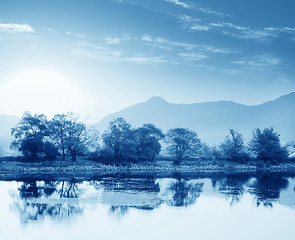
(6,123)
(212,120)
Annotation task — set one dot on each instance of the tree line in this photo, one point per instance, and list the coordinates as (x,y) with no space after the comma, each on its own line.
(36,137)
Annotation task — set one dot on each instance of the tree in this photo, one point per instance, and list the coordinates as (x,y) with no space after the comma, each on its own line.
(148,137)
(265,144)
(119,141)
(182,143)
(71,135)
(31,136)
(58,128)
(233,147)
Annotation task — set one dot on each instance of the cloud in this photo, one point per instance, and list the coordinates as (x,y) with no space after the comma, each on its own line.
(166,44)
(259,62)
(117,40)
(242,32)
(180,3)
(188,19)
(113,40)
(200,27)
(192,56)
(96,51)
(16,28)
(144,60)
(208,11)
(283,29)
(218,50)
(144,52)
(171,45)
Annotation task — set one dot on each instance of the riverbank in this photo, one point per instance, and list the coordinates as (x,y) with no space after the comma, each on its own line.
(83,168)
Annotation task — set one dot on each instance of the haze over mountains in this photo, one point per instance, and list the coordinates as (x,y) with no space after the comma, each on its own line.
(6,123)
(212,120)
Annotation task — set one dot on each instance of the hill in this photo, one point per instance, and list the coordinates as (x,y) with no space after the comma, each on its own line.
(212,120)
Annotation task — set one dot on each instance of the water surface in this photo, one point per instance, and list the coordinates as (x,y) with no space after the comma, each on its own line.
(147,207)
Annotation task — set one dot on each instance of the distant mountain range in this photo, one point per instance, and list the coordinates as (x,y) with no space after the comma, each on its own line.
(212,120)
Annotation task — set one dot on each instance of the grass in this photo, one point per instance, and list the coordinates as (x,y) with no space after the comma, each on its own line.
(11,167)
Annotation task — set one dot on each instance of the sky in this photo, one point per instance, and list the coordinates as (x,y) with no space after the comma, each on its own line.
(97,57)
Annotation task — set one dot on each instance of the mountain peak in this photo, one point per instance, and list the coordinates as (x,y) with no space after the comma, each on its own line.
(156,99)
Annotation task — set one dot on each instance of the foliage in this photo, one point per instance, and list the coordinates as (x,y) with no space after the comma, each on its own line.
(182,143)
(205,152)
(119,141)
(265,144)
(58,128)
(71,135)
(65,134)
(35,137)
(31,136)
(233,147)
(148,137)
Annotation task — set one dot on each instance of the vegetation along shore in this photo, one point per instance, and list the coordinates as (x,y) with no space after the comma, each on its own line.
(65,146)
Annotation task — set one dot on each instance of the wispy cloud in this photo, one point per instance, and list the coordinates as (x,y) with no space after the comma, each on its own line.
(100,52)
(192,56)
(113,40)
(171,45)
(144,60)
(241,32)
(117,40)
(259,62)
(196,7)
(200,27)
(180,3)
(16,28)
(188,19)
(146,50)
(166,44)
(208,11)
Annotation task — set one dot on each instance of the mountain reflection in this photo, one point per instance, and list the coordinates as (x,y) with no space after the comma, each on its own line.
(64,199)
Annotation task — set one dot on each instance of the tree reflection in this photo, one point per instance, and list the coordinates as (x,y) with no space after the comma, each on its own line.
(118,211)
(232,186)
(184,193)
(40,199)
(267,189)
(58,200)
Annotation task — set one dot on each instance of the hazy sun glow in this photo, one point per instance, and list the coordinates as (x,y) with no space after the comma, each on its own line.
(40,91)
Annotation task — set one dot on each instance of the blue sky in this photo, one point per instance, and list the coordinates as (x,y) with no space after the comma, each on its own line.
(96,57)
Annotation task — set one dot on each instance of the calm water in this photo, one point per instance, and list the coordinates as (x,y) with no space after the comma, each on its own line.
(226,207)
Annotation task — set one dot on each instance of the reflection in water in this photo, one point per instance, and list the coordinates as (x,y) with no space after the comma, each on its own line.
(184,193)
(232,186)
(37,200)
(124,193)
(59,200)
(118,211)
(267,189)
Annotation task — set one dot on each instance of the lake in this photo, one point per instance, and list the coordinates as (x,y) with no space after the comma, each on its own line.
(238,206)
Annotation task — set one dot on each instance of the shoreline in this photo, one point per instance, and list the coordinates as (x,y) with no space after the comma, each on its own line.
(89,169)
